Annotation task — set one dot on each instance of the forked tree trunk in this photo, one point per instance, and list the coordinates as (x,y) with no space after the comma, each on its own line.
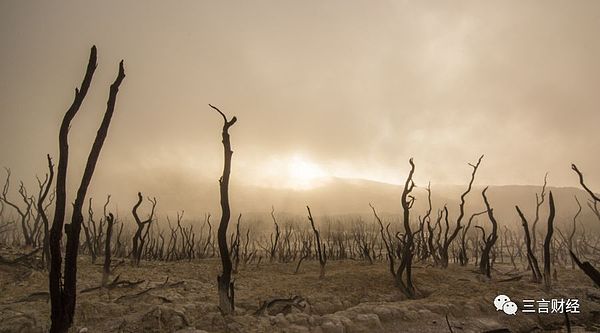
(448,240)
(403,275)
(225,285)
(63,294)
(138,239)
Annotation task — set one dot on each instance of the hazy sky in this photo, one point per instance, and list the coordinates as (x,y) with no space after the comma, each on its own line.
(320,88)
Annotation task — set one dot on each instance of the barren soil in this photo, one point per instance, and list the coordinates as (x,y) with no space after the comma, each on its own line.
(353,297)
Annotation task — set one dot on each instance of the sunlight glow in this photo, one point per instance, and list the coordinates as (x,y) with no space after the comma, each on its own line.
(295,171)
(304,174)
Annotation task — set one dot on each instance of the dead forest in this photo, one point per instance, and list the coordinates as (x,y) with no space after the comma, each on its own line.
(75,251)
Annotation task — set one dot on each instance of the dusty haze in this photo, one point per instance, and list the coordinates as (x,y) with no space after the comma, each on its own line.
(321,89)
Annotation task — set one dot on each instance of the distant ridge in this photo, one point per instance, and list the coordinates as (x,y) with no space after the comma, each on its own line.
(343,196)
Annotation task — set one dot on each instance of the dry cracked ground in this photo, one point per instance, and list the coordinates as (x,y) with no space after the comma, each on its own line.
(353,297)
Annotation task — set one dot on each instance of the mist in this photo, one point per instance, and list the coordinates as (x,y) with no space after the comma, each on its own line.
(353,90)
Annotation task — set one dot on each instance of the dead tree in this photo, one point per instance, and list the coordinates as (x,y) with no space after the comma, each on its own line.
(485,265)
(539,201)
(588,269)
(386,242)
(305,253)
(461,214)
(24,212)
(138,239)
(235,246)
(363,241)
(63,293)
(531,259)
(547,241)
(593,203)
(273,247)
(5,226)
(433,241)
(225,285)
(110,219)
(510,248)
(119,246)
(425,243)
(40,228)
(208,238)
(88,234)
(321,253)
(404,272)
(570,240)
(463,257)
(42,210)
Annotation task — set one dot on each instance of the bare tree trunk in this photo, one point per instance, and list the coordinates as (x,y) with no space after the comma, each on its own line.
(274,243)
(570,241)
(531,259)
(595,199)
(60,319)
(547,241)
(484,264)
(588,269)
(25,213)
(448,240)
(225,285)
(63,297)
(462,254)
(320,247)
(404,272)
(110,219)
(539,200)
(42,212)
(138,240)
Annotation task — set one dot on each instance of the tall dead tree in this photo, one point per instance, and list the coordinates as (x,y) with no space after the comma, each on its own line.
(404,272)
(485,266)
(531,259)
(225,285)
(461,215)
(548,241)
(63,292)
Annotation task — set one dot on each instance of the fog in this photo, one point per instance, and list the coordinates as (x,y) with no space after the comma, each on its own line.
(341,89)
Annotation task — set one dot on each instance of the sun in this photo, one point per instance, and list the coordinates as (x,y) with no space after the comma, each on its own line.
(302,173)
(294,171)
